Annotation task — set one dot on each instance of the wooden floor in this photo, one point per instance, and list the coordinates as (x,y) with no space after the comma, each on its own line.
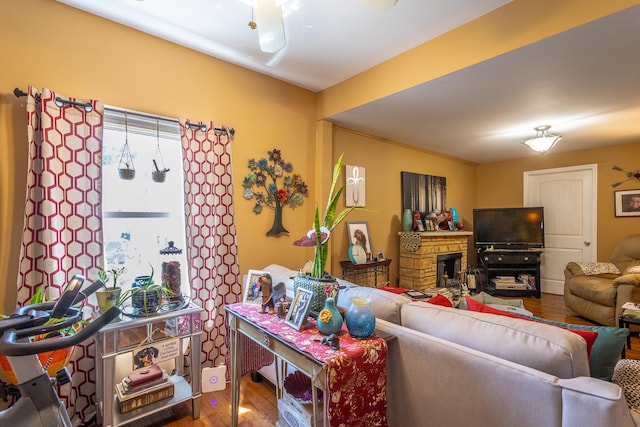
(257,400)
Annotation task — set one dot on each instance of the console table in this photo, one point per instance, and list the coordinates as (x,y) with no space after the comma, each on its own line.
(351,369)
(118,338)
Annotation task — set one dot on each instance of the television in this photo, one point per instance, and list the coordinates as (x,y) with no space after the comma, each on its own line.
(509,228)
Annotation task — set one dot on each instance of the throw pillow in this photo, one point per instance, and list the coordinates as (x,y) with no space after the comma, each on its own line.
(440,300)
(593,268)
(589,336)
(627,376)
(606,349)
(627,279)
(633,270)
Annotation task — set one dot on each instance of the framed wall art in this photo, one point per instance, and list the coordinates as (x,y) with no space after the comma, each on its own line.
(627,202)
(355,186)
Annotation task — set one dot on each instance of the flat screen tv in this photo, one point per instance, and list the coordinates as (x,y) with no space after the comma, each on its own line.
(509,228)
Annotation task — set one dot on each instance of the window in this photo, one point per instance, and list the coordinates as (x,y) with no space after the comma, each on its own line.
(142,215)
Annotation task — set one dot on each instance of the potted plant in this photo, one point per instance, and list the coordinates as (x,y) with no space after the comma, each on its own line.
(146,295)
(109,295)
(318,279)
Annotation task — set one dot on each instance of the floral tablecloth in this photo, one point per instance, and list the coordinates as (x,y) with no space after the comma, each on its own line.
(357,372)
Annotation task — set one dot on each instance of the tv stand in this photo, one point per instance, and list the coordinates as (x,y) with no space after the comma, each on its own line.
(500,265)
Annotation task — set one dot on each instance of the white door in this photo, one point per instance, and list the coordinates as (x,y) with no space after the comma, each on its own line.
(568,196)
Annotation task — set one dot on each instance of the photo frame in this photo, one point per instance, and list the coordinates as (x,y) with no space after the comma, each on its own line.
(627,203)
(380,256)
(358,234)
(354,191)
(252,292)
(420,225)
(299,309)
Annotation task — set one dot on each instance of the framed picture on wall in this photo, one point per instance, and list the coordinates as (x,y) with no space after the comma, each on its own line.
(355,186)
(358,234)
(627,202)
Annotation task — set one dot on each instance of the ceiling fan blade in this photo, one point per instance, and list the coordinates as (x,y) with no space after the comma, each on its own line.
(270,25)
(380,5)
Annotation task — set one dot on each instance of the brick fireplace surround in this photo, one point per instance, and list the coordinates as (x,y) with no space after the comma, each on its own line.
(419,253)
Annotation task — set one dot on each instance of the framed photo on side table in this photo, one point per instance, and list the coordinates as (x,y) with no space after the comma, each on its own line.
(299,309)
(252,290)
(358,233)
(627,202)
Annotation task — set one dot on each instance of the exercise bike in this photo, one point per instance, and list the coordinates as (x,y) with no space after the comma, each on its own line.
(39,404)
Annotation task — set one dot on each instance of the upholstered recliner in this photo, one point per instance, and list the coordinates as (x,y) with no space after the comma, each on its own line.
(596,291)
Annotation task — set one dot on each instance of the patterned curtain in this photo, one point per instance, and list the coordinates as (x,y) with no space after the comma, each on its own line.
(211,231)
(62,232)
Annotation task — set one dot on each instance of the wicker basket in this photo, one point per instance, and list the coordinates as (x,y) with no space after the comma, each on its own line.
(315,285)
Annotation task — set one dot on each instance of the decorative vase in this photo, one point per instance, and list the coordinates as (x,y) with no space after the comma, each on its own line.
(360,319)
(277,227)
(407,220)
(107,298)
(315,285)
(329,319)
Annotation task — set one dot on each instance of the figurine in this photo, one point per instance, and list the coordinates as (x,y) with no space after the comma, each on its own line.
(267,294)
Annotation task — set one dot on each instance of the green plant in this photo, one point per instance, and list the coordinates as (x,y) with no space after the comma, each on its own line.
(318,236)
(113,273)
(146,286)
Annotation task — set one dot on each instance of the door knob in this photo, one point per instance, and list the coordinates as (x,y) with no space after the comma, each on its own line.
(587,243)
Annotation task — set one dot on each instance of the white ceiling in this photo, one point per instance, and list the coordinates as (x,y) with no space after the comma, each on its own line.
(584,82)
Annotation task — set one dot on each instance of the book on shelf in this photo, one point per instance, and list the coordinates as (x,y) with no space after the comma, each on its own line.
(143,375)
(130,390)
(127,403)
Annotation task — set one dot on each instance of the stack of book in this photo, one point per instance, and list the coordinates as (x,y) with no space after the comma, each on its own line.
(508,282)
(143,387)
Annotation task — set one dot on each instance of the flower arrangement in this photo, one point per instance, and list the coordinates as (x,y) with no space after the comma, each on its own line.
(318,236)
(631,175)
(282,190)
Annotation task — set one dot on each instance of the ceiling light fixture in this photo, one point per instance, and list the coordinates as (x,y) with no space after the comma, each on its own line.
(380,5)
(543,141)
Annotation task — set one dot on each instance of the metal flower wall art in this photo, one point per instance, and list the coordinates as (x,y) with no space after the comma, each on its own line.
(272,184)
(631,175)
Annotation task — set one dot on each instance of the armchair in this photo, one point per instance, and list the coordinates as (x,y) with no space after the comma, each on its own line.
(596,291)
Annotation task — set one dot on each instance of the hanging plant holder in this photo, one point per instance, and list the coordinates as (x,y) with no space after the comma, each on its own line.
(159,173)
(126,170)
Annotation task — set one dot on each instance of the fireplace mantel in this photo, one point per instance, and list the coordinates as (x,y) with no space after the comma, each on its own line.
(419,252)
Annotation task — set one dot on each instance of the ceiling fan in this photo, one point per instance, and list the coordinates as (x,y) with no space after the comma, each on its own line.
(268,20)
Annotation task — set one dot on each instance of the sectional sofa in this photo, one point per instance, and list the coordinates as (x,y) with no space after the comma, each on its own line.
(452,367)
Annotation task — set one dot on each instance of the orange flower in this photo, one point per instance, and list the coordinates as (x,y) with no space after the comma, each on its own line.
(325,316)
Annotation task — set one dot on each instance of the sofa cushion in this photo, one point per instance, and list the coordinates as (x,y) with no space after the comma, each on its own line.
(440,300)
(627,376)
(384,304)
(537,345)
(589,336)
(606,349)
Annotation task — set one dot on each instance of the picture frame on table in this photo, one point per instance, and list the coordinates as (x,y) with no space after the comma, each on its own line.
(252,290)
(420,225)
(380,256)
(358,234)
(299,309)
(627,203)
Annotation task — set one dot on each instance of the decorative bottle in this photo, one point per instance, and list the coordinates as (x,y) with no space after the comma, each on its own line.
(360,319)
(329,319)
(407,220)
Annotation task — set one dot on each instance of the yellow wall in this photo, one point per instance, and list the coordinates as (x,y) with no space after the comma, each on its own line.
(383,161)
(47,44)
(501,184)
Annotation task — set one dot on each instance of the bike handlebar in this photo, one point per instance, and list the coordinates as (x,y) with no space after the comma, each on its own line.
(9,346)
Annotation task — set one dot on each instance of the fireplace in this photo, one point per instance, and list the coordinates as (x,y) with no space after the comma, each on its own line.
(449,265)
(419,266)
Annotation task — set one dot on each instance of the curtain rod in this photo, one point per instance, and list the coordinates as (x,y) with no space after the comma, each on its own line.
(59,101)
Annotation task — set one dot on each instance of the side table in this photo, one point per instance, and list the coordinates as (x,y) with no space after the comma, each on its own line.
(366,274)
(118,338)
(629,315)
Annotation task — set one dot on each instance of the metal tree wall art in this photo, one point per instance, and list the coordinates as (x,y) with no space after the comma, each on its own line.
(272,184)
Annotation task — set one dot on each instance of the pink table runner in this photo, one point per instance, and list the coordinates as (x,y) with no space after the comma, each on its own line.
(357,373)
